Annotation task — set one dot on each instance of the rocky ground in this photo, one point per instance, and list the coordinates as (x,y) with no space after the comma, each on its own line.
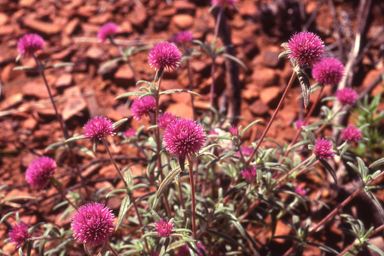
(69,28)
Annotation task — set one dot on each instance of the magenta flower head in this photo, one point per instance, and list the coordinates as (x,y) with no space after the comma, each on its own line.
(93,224)
(250,173)
(299,123)
(222,2)
(29,44)
(234,131)
(306,48)
(164,228)
(165,119)
(98,127)
(352,133)
(328,71)
(19,234)
(106,30)
(323,149)
(142,107)
(184,250)
(164,56)
(347,96)
(300,191)
(182,37)
(39,171)
(247,151)
(184,137)
(130,133)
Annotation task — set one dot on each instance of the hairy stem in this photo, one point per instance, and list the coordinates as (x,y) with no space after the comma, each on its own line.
(193,198)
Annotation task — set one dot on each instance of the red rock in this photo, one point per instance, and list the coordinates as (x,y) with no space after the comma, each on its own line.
(250,93)
(101,18)
(180,109)
(167,12)
(64,80)
(183,21)
(185,7)
(3,19)
(270,96)
(126,27)
(7,29)
(270,58)
(87,10)
(7,73)
(64,54)
(265,77)
(45,28)
(30,124)
(123,110)
(139,16)
(74,104)
(36,89)
(89,27)
(258,108)
(169,84)
(95,53)
(124,76)
(11,101)
(71,26)
(48,113)
(201,66)
(114,115)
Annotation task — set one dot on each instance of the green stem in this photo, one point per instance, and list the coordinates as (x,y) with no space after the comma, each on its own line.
(193,198)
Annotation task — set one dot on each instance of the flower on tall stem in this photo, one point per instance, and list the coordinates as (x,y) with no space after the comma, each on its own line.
(352,133)
(29,44)
(182,37)
(165,119)
(93,224)
(234,131)
(108,29)
(39,172)
(299,123)
(329,71)
(164,56)
(323,149)
(98,127)
(164,228)
(130,133)
(142,107)
(184,137)
(306,48)
(347,96)
(249,173)
(19,234)
(300,191)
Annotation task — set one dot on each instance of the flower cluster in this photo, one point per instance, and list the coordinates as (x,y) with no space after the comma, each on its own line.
(323,149)
(29,44)
(142,107)
(352,133)
(106,30)
(39,172)
(234,131)
(164,56)
(347,96)
(130,133)
(19,234)
(98,127)
(93,224)
(184,250)
(165,119)
(306,48)
(182,37)
(328,71)
(184,137)
(300,123)
(300,191)
(250,173)
(164,228)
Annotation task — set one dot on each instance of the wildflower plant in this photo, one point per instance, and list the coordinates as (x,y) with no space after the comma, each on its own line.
(195,186)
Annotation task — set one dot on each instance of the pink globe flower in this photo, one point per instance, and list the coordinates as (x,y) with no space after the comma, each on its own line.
(142,107)
(164,228)
(165,119)
(250,173)
(300,191)
(222,2)
(29,44)
(323,149)
(234,131)
(184,250)
(352,133)
(328,71)
(184,137)
(164,56)
(19,234)
(98,127)
(182,37)
(106,30)
(306,48)
(299,123)
(40,171)
(347,96)
(93,224)
(247,151)
(130,133)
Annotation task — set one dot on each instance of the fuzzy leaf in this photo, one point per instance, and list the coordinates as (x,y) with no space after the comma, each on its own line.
(60,65)
(120,122)
(129,94)
(248,126)
(167,180)
(284,54)
(233,58)
(329,168)
(376,202)
(178,90)
(236,188)
(24,68)
(123,210)
(305,86)
(377,163)
(80,137)
(109,63)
